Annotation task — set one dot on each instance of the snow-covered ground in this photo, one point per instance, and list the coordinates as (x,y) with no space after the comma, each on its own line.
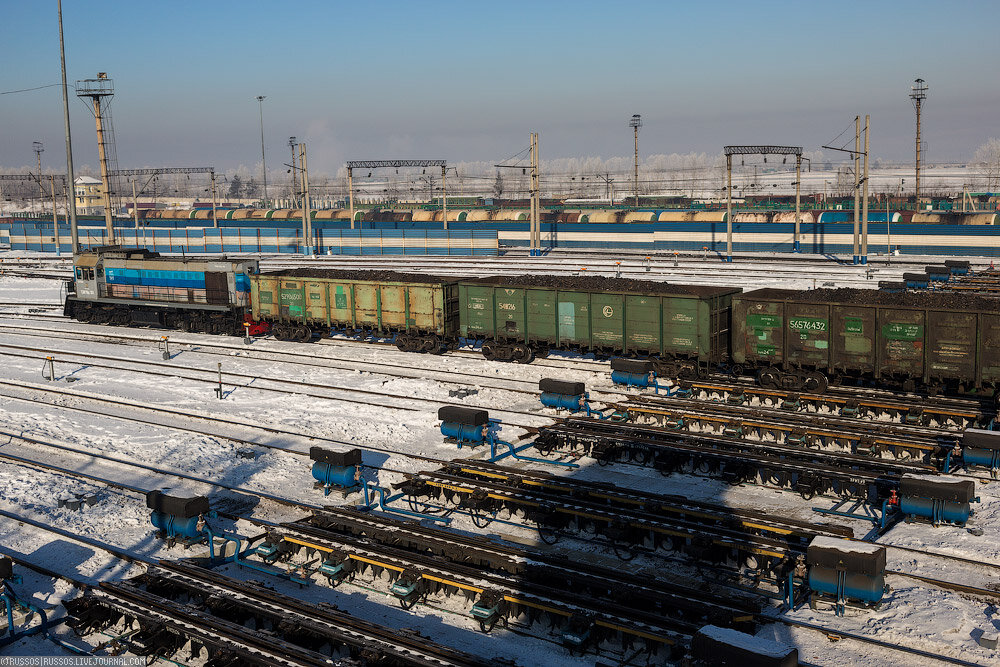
(394,423)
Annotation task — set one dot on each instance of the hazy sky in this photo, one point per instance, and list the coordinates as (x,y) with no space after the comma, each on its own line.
(469,80)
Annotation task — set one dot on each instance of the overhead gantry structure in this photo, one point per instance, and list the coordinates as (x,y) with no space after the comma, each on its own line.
(378,164)
(730,151)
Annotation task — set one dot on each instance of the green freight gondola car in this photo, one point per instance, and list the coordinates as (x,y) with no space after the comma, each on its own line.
(686,328)
(419,311)
(803,340)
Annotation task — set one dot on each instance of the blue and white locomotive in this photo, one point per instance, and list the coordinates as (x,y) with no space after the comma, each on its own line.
(131,286)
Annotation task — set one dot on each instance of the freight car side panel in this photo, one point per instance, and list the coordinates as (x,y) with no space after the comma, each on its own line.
(684,327)
(509,313)
(764,331)
(807,334)
(476,311)
(607,320)
(853,338)
(340,300)
(316,295)
(643,323)
(291,299)
(261,297)
(951,345)
(542,315)
(367,305)
(901,341)
(989,347)
(573,318)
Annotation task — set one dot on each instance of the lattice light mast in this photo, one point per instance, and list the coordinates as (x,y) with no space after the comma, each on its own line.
(635,123)
(98,90)
(39,149)
(263,158)
(918,93)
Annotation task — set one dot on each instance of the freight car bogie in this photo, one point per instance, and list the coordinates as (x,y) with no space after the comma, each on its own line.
(518,353)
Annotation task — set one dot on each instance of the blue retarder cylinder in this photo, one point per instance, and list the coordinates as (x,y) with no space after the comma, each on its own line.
(464,432)
(632,379)
(327,474)
(975,456)
(863,587)
(937,510)
(940,500)
(175,525)
(335,468)
(562,401)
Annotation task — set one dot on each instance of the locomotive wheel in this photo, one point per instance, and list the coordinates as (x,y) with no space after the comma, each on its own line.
(489,350)
(183,323)
(120,318)
(770,378)
(815,382)
(522,354)
(83,314)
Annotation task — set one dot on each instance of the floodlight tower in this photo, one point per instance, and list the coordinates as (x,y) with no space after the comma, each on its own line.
(263,158)
(918,93)
(97,90)
(39,149)
(635,123)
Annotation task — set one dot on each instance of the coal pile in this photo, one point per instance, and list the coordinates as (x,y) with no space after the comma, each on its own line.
(363,274)
(867,297)
(597,284)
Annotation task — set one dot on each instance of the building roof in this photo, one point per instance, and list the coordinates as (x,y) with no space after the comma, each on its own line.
(87,180)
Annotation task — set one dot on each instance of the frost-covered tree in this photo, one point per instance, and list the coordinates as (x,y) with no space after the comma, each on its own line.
(235,187)
(987,158)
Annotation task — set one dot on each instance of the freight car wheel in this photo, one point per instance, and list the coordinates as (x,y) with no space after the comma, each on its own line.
(815,382)
(489,350)
(770,378)
(303,334)
(522,354)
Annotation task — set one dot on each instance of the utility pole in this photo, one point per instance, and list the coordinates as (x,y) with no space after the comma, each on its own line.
(798,186)
(306,221)
(263,158)
(535,242)
(864,200)
(729,207)
(291,192)
(918,93)
(135,204)
(350,192)
(608,187)
(215,214)
(444,197)
(71,180)
(857,183)
(635,123)
(55,216)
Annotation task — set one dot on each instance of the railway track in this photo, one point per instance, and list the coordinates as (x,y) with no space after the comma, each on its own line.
(850,401)
(815,430)
(808,471)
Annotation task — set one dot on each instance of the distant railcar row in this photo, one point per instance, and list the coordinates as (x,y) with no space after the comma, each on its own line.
(799,340)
